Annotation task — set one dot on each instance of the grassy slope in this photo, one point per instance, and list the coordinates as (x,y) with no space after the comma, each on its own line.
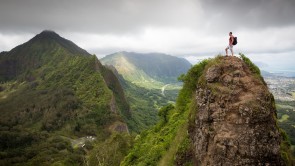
(150,71)
(161,67)
(132,73)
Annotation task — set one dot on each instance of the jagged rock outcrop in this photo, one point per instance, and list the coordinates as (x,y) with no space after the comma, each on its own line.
(235,122)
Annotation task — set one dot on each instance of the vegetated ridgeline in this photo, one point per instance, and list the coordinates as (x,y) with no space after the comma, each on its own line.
(235,123)
(150,70)
(60,106)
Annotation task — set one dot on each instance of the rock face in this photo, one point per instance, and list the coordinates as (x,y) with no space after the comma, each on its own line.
(235,122)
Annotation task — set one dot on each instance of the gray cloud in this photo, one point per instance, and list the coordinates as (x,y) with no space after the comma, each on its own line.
(187,28)
(250,13)
(93,15)
(127,16)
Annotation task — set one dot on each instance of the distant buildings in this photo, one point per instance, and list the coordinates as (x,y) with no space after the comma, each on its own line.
(281,87)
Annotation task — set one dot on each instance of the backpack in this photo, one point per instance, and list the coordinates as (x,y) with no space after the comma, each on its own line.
(235,41)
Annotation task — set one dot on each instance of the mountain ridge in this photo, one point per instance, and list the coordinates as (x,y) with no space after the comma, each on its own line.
(53,93)
(49,34)
(34,53)
(148,68)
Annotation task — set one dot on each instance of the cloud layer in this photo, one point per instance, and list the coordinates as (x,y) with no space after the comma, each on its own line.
(187,28)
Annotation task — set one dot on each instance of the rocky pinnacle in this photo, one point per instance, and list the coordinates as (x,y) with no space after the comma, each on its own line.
(235,122)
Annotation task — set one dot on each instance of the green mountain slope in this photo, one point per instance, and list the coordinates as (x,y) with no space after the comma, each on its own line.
(150,82)
(29,55)
(144,103)
(223,107)
(151,71)
(58,104)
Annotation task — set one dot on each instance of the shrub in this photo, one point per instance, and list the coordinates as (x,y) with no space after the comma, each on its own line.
(184,153)
(163,112)
(190,81)
(250,64)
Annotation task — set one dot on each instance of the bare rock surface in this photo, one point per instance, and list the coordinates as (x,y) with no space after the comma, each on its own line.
(235,122)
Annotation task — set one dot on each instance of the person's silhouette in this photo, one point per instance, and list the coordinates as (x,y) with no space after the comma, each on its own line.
(230,44)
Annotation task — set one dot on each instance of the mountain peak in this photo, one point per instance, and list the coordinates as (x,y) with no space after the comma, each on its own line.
(47,34)
(27,56)
(230,116)
(235,122)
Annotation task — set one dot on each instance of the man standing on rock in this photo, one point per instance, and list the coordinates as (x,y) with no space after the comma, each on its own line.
(230,44)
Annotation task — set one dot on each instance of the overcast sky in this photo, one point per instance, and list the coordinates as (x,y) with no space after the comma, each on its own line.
(193,29)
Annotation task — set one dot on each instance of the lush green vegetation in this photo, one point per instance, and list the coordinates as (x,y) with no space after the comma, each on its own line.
(149,81)
(145,103)
(56,94)
(190,84)
(285,149)
(58,105)
(152,145)
(52,90)
(150,71)
(254,69)
(111,151)
(250,64)
(286,119)
(168,142)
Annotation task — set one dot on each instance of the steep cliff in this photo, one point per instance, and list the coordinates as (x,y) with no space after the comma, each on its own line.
(224,115)
(235,123)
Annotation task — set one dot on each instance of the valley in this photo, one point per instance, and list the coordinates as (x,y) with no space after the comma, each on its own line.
(150,81)
(283,88)
(147,83)
(61,105)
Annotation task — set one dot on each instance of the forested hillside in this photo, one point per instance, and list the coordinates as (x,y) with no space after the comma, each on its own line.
(150,81)
(58,104)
